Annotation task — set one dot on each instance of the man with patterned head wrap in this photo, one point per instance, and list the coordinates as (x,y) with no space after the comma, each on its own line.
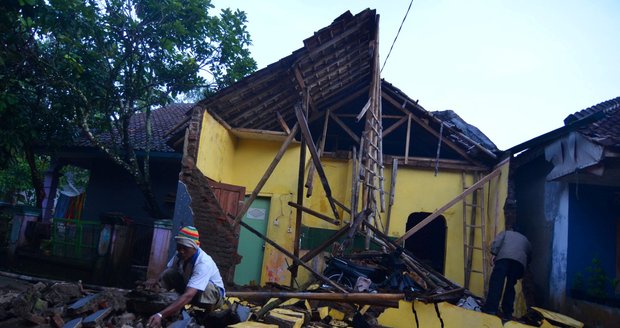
(193,274)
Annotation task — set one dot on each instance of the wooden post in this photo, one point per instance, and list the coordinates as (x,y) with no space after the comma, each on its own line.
(263,180)
(408,138)
(311,169)
(451,203)
(392,191)
(305,131)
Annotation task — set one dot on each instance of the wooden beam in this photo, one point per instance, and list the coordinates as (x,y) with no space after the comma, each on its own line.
(283,123)
(334,297)
(392,190)
(408,138)
(305,131)
(395,125)
(219,119)
(312,169)
(293,257)
(345,128)
(435,133)
(323,217)
(451,203)
(315,116)
(263,180)
(300,200)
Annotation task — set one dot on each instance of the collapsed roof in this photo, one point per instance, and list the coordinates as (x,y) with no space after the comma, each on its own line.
(336,68)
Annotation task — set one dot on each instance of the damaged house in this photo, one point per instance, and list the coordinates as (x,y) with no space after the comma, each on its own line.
(567,193)
(315,147)
(97,233)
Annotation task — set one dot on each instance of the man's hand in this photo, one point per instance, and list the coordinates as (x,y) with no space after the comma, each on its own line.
(151,284)
(155,320)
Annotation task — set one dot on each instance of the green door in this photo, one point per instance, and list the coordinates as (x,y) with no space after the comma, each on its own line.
(251,247)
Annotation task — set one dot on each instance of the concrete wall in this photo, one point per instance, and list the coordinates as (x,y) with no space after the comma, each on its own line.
(228,159)
(535,218)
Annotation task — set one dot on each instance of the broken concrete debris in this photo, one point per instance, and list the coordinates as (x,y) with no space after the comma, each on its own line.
(67,305)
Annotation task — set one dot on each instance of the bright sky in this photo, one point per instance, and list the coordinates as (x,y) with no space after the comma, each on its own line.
(514,69)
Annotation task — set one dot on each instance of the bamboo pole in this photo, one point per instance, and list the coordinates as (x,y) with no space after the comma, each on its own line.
(451,203)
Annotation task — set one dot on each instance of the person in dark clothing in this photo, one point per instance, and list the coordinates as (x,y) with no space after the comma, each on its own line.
(511,254)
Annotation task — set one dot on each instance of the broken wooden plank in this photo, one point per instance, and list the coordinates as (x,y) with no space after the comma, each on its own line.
(451,203)
(270,169)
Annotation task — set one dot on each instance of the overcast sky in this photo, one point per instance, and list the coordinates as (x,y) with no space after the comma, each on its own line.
(514,69)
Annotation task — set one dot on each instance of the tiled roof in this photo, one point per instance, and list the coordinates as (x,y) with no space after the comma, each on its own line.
(604,128)
(163,120)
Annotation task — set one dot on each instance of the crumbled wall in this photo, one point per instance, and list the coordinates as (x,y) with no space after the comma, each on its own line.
(218,237)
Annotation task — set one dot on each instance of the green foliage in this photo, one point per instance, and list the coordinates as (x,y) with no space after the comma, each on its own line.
(15,186)
(70,67)
(595,282)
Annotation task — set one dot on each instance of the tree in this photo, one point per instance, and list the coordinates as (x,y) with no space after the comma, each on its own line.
(100,62)
(26,116)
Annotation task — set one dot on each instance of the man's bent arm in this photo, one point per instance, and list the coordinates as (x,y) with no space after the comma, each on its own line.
(179,303)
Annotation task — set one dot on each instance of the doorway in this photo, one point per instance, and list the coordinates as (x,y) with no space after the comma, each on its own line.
(251,247)
(429,243)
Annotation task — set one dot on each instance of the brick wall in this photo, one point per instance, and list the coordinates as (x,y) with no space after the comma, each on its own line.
(218,236)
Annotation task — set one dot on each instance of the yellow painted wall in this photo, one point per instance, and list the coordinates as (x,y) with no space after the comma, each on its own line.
(216,149)
(228,159)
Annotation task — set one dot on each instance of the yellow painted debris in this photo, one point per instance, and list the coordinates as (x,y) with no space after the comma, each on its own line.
(294,301)
(335,314)
(252,324)
(514,324)
(296,319)
(451,316)
(323,312)
(557,317)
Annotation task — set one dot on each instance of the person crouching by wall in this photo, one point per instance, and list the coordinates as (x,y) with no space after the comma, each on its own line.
(193,274)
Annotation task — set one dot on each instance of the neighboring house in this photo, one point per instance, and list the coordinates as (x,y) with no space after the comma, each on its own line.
(112,195)
(237,136)
(566,187)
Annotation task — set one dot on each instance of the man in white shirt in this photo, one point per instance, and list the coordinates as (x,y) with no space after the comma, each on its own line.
(193,274)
